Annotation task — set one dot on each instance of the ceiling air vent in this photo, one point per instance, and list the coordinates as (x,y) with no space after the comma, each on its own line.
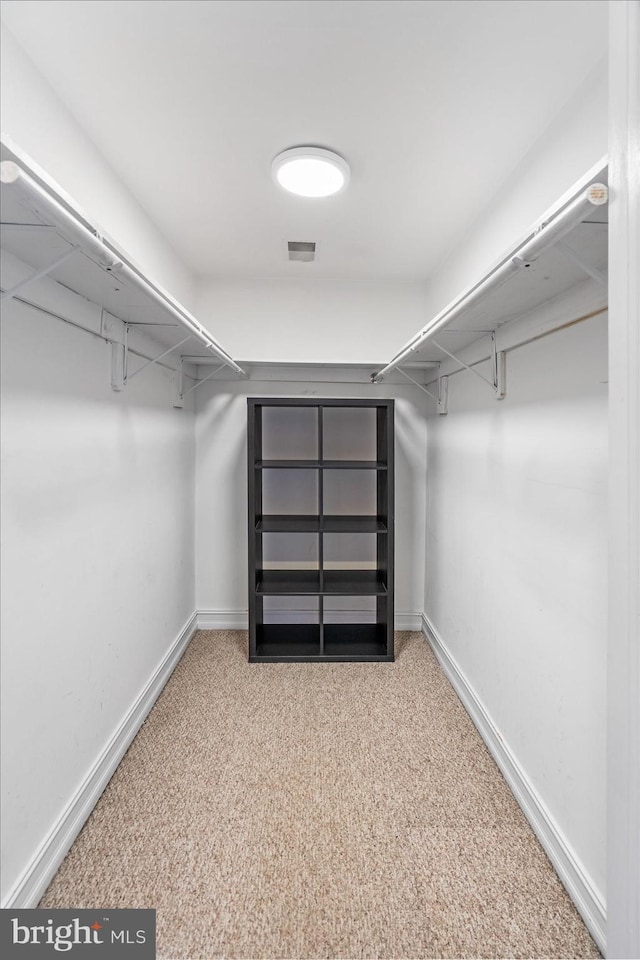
(299,250)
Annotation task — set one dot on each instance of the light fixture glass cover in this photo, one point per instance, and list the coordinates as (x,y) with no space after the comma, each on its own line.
(310,171)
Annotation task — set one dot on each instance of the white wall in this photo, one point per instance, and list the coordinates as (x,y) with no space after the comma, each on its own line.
(516,566)
(97,560)
(312,321)
(221,491)
(40,125)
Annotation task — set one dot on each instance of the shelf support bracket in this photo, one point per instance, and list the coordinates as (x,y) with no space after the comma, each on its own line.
(443,391)
(8,294)
(119,359)
(179,393)
(420,386)
(204,380)
(579,261)
(443,395)
(178,385)
(118,362)
(497,384)
(499,363)
(160,356)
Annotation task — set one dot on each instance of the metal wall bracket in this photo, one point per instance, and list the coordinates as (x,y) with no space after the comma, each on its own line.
(179,393)
(443,395)
(204,380)
(442,400)
(120,375)
(178,385)
(118,366)
(112,328)
(499,361)
(119,359)
(579,261)
(38,274)
(161,356)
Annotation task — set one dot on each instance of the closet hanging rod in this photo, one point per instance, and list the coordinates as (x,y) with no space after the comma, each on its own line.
(544,236)
(97,248)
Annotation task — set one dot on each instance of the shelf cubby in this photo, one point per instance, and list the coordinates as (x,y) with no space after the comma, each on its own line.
(281,551)
(348,434)
(288,492)
(349,492)
(287,641)
(351,641)
(289,433)
(351,548)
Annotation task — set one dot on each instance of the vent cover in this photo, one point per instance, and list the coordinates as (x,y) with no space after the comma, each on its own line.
(300,250)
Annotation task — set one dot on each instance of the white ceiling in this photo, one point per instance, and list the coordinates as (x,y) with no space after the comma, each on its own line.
(432,103)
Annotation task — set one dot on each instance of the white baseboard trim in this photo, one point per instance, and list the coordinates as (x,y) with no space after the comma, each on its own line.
(223,620)
(408,621)
(239,619)
(34,880)
(567,865)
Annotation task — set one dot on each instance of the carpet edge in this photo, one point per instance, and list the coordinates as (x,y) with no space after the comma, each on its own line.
(36,876)
(572,874)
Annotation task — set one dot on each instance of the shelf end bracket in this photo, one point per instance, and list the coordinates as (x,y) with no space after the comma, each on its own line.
(118,366)
(443,395)
(38,274)
(499,362)
(178,385)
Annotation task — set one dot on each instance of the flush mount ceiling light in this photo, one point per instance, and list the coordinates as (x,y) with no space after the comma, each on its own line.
(310,171)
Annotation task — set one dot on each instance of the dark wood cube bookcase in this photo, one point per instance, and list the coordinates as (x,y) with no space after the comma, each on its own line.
(321,526)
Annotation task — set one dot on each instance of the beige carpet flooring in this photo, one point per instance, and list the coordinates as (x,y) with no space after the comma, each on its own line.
(318,811)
